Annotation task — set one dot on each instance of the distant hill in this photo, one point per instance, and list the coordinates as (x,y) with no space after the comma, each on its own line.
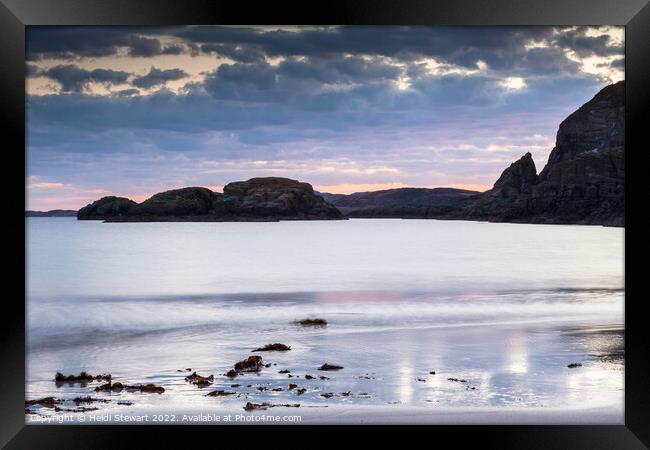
(401,202)
(52,213)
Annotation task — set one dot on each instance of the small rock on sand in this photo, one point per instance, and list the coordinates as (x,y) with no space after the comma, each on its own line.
(574,365)
(458,380)
(250,364)
(220,393)
(252,406)
(327,366)
(47,401)
(277,347)
(199,380)
(310,321)
(151,388)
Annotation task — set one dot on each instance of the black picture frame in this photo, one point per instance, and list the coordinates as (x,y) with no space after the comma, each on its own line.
(16,14)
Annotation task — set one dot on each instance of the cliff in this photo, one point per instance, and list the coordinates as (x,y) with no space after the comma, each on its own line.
(583,181)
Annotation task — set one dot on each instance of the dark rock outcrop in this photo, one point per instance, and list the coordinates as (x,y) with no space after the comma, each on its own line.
(509,197)
(273,197)
(258,199)
(106,208)
(189,201)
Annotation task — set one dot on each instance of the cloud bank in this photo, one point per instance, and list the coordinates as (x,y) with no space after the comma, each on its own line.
(132,111)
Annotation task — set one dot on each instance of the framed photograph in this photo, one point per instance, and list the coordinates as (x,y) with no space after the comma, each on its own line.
(360,214)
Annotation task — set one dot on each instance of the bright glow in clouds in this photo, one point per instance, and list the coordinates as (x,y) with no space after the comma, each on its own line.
(131,112)
(514,83)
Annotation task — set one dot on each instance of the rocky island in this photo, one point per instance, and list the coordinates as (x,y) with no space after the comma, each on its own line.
(258,199)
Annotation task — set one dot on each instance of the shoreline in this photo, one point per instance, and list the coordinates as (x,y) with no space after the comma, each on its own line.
(350,414)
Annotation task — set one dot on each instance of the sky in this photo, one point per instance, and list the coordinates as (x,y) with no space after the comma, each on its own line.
(132,111)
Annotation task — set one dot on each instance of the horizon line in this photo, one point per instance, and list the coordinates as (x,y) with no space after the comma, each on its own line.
(139,198)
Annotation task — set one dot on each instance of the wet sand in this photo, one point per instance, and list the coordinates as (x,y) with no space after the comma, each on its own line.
(484,374)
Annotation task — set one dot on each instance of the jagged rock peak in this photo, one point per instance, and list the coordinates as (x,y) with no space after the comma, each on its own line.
(517,179)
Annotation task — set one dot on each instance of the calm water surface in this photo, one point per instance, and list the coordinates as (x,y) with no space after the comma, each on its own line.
(503,306)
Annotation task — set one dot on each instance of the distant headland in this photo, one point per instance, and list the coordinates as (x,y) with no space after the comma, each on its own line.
(583,182)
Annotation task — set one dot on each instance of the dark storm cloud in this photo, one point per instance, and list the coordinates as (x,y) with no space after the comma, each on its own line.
(456,44)
(157,77)
(73,78)
(77,42)
(236,52)
(416,100)
(460,45)
(585,46)
(618,63)
(141,46)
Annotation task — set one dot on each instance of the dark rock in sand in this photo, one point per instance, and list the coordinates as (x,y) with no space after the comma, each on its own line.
(76,410)
(152,388)
(284,371)
(232,373)
(45,401)
(83,377)
(330,367)
(422,380)
(253,406)
(323,377)
(300,391)
(458,380)
(574,365)
(105,208)
(327,395)
(125,403)
(220,393)
(250,364)
(433,372)
(292,386)
(111,386)
(309,377)
(89,399)
(277,347)
(315,321)
(199,380)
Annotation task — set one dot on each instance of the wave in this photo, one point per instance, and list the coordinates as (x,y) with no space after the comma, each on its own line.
(77,321)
